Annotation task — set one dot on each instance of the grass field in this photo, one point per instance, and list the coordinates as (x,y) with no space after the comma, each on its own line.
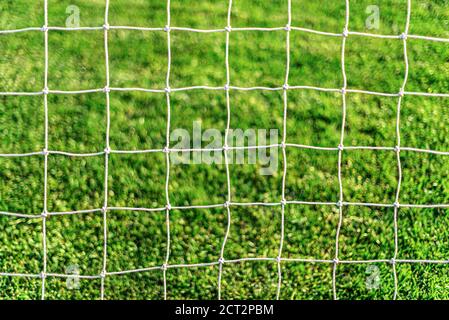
(77,123)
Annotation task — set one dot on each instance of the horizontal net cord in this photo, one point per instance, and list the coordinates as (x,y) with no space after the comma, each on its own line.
(228,204)
(226,29)
(281,88)
(221,149)
(231,261)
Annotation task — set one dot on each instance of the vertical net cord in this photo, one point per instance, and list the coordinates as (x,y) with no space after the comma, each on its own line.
(225,150)
(340,152)
(45,152)
(283,145)
(167,152)
(398,147)
(106,151)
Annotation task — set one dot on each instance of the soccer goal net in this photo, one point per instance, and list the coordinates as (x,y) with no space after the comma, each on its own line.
(107,210)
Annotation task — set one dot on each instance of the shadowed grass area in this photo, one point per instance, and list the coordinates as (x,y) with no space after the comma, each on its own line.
(138,239)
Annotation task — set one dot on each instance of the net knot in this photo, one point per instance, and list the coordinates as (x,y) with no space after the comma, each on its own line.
(345,33)
(287,28)
(393,261)
(397,149)
(168,207)
(106,89)
(44,214)
(403,36)
(167,90)
(339,204)
(278,259)
(44,28)
(43,275)
(167,28)
(286,86)
(401,92)
(228,28)
(104,209)
(45,90)
(166,150)
(283,202)
(227,204)
(103,274)
(107,150)
(341,147)
(336,261)
(106,26)
(226,87)
(221,260)
(164,267)
(396,204)
(45,152)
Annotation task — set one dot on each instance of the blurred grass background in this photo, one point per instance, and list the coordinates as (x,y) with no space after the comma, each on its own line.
(138,120)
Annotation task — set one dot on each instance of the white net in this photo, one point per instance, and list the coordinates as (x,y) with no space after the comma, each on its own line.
(284,88)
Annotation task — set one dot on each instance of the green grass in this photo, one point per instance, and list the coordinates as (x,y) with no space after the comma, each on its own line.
(77,123)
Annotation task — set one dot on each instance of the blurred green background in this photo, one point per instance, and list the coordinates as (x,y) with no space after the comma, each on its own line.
(77,123)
